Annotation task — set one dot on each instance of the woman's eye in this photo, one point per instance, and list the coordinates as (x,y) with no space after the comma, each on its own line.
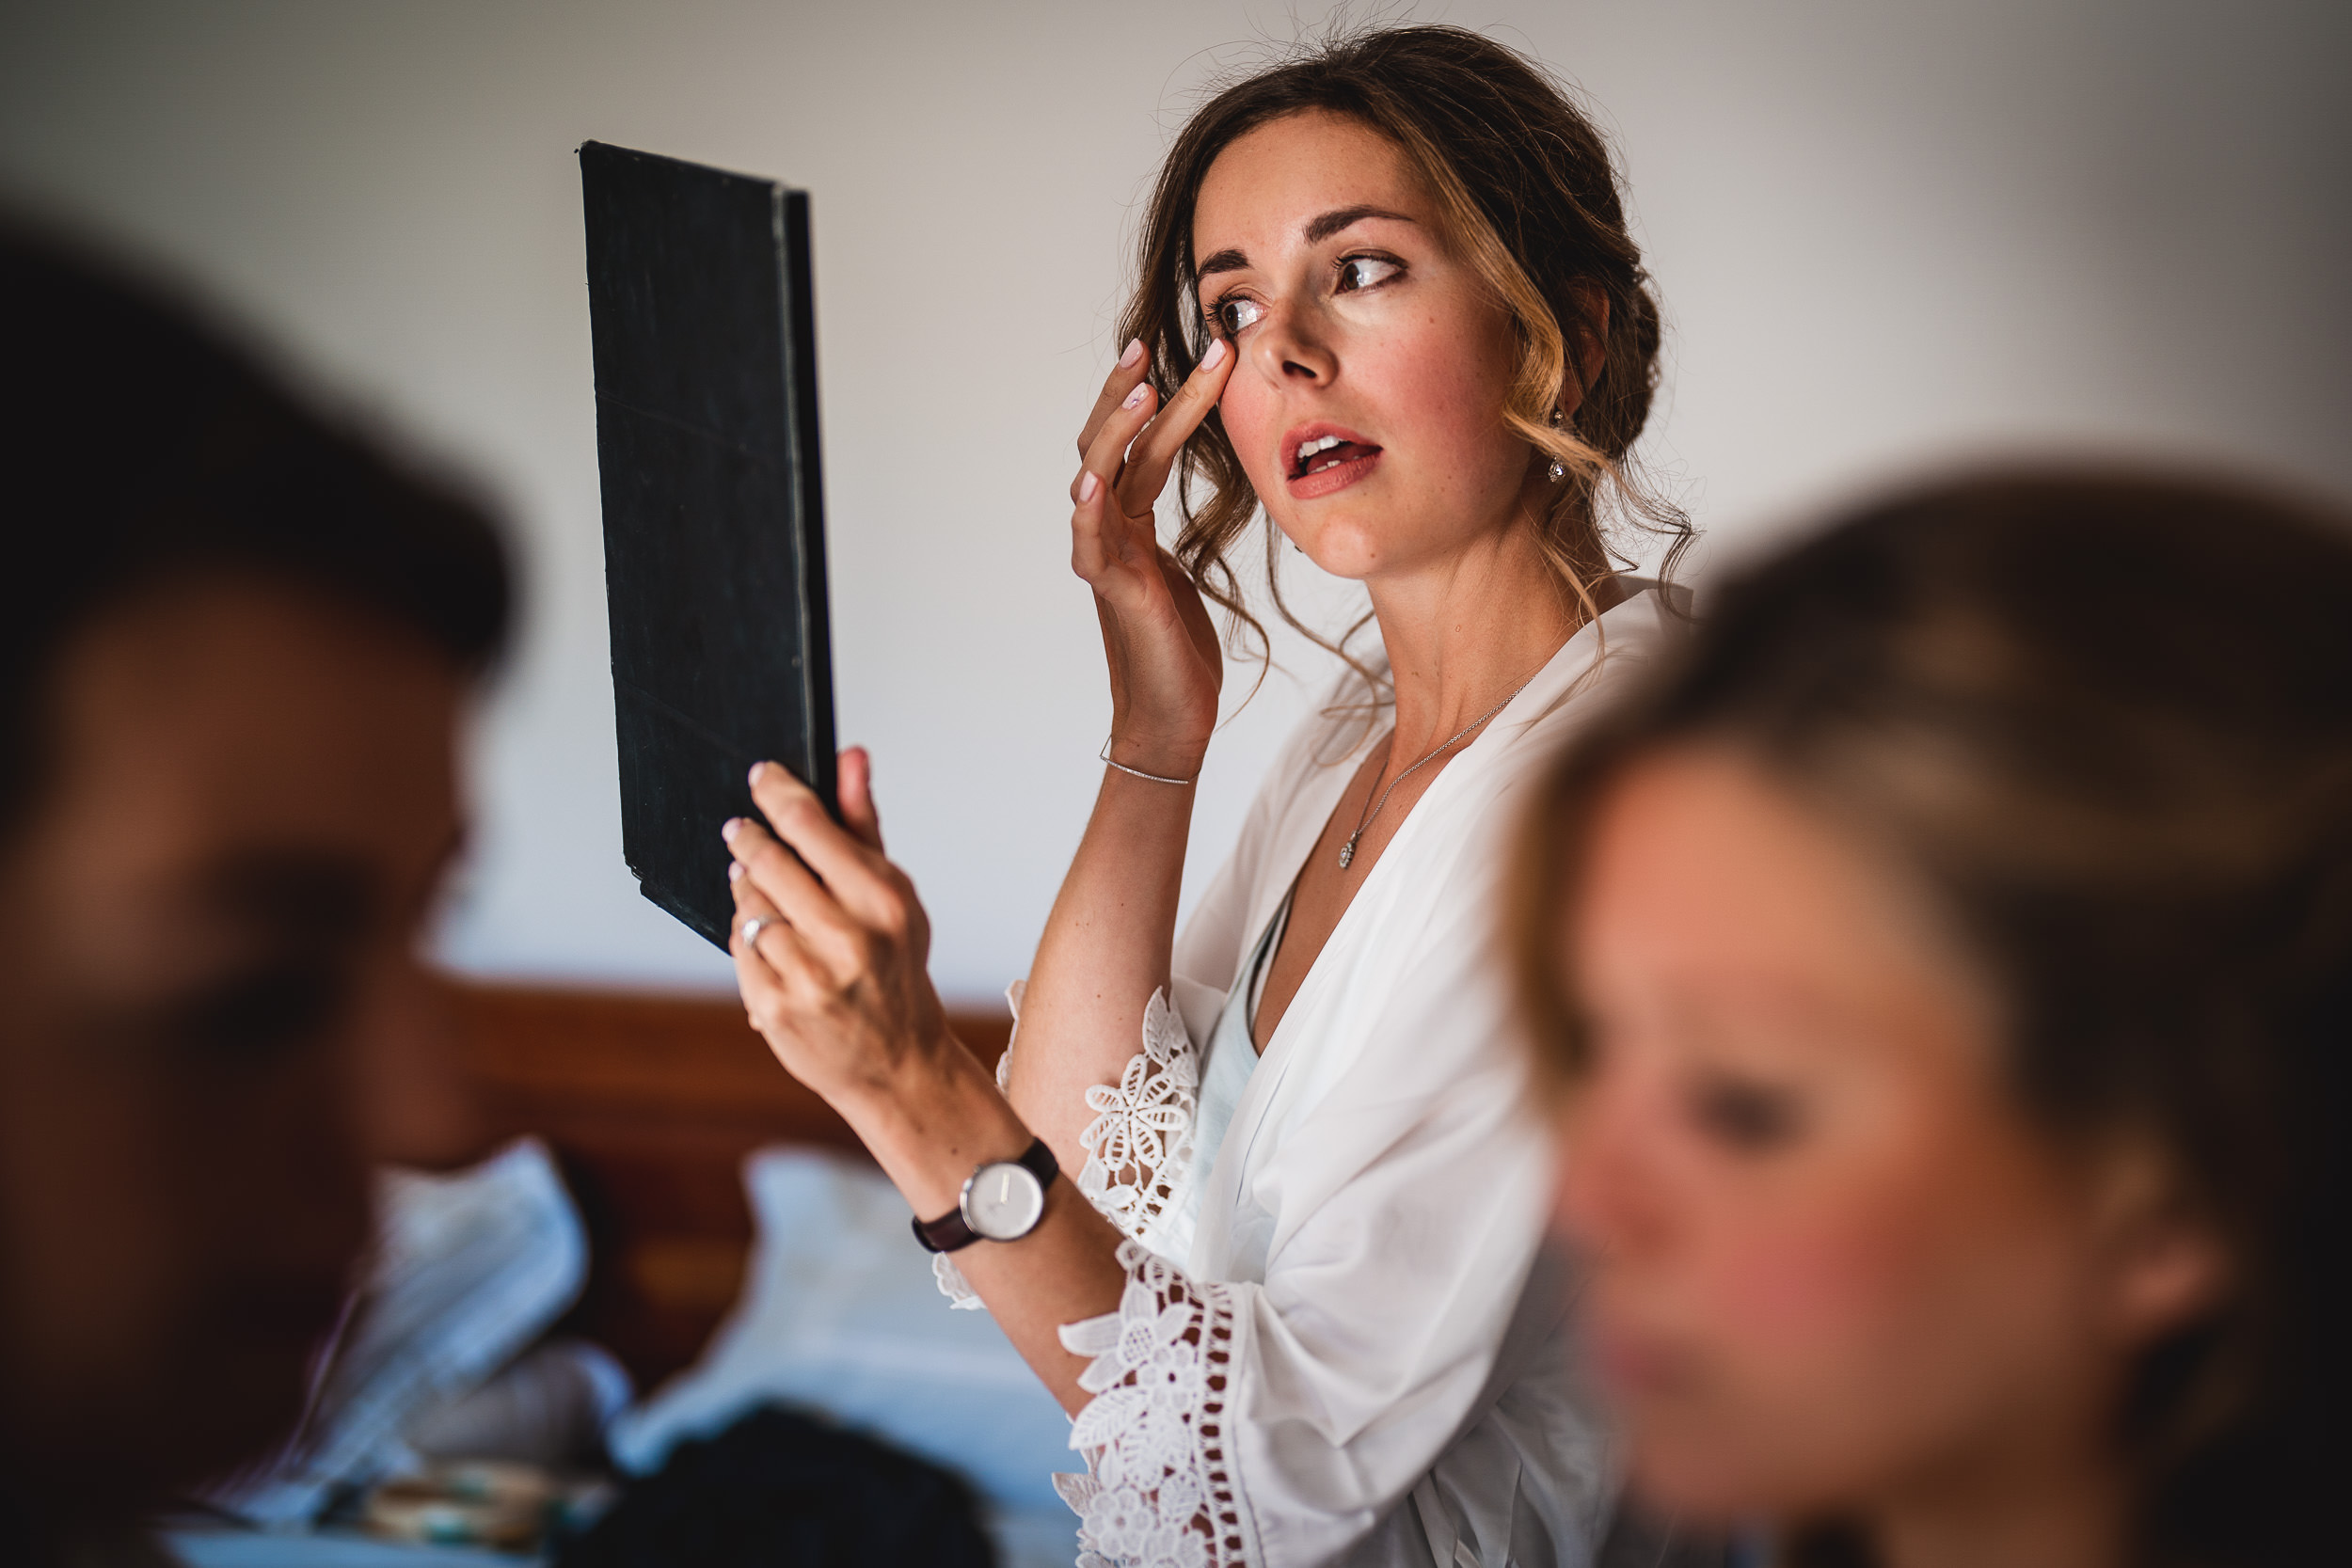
(1747,1117)
(1236,314)
(1364,272)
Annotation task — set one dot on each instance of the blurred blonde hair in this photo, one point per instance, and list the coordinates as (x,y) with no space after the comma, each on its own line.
(2105,721)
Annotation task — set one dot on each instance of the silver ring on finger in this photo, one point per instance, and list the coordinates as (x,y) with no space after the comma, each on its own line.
(756,924)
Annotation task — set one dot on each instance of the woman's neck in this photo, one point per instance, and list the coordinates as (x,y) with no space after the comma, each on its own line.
(2049,1511)
(1463,632)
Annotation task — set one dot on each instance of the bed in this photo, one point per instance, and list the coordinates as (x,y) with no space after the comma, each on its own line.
(671,1125)
(651,1103)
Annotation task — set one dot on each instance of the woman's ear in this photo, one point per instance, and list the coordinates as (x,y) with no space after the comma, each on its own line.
(1590,345)
(2166,1262)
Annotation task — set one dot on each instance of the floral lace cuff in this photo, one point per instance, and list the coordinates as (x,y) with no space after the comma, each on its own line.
(1159,1490)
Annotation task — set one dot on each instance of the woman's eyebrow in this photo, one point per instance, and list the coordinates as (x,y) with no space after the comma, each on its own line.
(1227,260)
(1316,232)
(1332,222)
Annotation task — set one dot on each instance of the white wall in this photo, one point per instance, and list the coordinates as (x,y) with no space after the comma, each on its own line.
(1886,234)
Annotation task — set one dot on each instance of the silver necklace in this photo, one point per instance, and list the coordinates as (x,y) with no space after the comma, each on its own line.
(1347,850)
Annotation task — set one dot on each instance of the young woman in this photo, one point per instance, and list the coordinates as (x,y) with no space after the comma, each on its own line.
(1293,1296)
(1949,969)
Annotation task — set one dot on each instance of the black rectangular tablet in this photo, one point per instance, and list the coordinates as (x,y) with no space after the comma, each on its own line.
(714,536)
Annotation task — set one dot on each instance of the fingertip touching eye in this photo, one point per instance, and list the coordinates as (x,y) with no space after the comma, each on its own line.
(1236,314)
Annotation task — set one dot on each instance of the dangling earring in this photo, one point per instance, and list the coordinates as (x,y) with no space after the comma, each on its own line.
(1559,470)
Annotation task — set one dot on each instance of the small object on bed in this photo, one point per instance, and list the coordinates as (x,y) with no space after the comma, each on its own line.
(465,1503)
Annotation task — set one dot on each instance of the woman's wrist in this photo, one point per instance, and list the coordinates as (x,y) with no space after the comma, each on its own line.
(1155,758)
(933,1121)
(1180,779)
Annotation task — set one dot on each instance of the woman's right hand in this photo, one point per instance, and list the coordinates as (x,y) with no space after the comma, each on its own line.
(1165,665)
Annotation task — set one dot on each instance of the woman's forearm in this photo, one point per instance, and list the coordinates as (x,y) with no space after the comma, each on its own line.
(1107,946)
(929,1130)
(829,946)
(1105,950)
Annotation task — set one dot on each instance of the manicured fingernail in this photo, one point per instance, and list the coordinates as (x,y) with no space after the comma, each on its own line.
(1087,485)
(1134,399)
(735,871)
(757,769)
(733,826)
(1133,355)
(1215,355)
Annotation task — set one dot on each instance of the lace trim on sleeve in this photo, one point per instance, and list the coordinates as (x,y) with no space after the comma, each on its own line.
(1159,1490)
(1014,994)
(952,1284)
(1139,1145)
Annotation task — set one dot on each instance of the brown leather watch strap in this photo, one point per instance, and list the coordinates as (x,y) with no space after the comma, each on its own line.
(951,1232)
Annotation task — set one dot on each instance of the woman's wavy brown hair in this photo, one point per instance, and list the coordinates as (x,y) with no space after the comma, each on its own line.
(1528,196)
(2105,721)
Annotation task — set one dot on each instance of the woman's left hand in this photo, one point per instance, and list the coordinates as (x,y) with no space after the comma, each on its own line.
(835,981)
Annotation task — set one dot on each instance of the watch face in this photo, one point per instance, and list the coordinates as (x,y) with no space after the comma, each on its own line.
(1003,1202)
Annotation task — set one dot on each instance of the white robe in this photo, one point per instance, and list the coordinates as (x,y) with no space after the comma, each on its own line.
(1349,1342)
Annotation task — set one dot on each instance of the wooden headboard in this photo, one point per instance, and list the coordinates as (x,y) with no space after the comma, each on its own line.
(650,1103)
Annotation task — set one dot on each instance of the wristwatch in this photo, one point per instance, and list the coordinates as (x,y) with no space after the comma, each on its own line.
(1002,1201)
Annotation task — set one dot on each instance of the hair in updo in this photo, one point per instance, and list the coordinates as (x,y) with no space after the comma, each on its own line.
(2105,722)
(1529,199)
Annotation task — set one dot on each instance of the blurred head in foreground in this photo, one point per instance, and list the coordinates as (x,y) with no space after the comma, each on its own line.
(1947,971)
(233,641)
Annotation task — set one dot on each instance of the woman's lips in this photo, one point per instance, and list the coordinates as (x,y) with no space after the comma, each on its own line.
(1341,458)
(1333,479)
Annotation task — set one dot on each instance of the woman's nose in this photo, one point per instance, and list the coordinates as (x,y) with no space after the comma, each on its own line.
(1291,345)
(1607,1199)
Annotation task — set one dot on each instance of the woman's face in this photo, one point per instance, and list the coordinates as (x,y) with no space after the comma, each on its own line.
(1834,1265)
(1367,402)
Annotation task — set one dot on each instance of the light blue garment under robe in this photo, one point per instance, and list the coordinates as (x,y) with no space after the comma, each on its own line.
(1233,1056)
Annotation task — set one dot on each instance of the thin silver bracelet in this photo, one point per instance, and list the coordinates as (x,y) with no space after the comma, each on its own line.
(1139,772)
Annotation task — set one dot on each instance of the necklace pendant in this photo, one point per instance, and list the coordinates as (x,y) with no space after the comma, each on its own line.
(1347,853)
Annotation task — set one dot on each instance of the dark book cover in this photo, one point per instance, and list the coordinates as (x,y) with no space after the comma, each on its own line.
(699,300)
